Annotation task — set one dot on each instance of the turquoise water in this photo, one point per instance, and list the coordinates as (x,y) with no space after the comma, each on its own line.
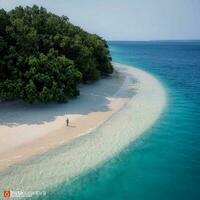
(164,163)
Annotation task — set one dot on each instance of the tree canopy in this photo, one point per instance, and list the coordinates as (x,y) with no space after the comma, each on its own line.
(43,57)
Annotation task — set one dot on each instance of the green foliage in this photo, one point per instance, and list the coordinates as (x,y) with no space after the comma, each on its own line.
(43,57)
(30,92)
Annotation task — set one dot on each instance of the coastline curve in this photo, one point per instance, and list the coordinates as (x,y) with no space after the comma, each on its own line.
(88,151)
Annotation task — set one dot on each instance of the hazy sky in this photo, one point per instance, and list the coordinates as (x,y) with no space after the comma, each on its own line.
(127,19)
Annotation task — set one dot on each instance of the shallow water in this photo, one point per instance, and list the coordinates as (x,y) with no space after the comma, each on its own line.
(164,163)
(67,163)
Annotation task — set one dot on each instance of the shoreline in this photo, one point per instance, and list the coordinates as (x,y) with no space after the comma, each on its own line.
(63,164)
(18,143)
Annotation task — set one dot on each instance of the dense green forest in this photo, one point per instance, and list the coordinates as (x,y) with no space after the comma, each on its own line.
(43,57)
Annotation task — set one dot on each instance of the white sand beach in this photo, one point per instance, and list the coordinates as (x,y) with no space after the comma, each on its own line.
(128,103)
(27,130)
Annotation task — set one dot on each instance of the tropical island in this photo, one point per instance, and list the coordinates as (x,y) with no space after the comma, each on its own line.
(44,57)
(99,100)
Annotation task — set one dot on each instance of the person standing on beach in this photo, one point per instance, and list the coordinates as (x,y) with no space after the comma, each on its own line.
(67,122)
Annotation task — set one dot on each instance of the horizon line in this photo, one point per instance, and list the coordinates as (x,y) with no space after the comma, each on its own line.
(162,40)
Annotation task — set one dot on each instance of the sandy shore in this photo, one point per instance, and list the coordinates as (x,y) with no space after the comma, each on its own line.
(24,133)
(144,100)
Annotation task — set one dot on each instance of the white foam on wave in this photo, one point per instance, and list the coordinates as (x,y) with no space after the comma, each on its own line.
(86,152)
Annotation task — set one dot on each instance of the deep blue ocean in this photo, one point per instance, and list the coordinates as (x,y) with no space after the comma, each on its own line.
(164,163)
